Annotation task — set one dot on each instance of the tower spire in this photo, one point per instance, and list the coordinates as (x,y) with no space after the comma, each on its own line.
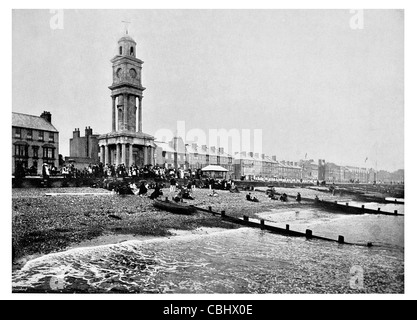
(126,26)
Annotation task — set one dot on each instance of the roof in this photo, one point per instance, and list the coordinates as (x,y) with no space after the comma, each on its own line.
(214,168)
(31,122)
(198,150)
(269,159)
(164,146)
(243,156)
(126,38)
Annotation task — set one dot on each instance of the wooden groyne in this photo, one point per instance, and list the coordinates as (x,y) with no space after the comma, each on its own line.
(346,208)
(286,232)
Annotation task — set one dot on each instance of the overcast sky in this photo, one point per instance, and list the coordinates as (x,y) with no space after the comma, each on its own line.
(313,84)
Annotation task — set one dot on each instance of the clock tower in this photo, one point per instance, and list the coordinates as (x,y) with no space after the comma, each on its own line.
(127,90)
(126,143)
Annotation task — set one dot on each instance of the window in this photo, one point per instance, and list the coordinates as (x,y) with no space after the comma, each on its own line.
(40,136)
(51,136)
(20,150)
(35,151)
(18,133)
(131,51)
(48,153)
(29,134)
(120,50)
(20,163)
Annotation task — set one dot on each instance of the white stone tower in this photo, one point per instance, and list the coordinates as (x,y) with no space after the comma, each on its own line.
(126,143)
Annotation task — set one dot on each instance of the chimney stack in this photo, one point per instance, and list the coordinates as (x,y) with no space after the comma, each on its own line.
(88,131)
(76,133)
(47,116)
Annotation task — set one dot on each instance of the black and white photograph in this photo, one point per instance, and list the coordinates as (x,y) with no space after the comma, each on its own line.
(207,151)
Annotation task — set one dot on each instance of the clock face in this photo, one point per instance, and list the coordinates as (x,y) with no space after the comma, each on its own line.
(133,73)
(119,73)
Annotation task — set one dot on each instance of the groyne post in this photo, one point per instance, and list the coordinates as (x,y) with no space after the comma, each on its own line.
(341,239)
(309,234)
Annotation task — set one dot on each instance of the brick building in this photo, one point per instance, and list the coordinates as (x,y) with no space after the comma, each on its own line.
(244,166)
(83,150)
(165,155)
(176,154)
(34,141)
(310,170)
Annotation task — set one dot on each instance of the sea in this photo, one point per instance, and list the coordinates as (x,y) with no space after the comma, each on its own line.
(243,261)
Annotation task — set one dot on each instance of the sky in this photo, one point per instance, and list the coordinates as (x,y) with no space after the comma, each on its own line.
(315,86)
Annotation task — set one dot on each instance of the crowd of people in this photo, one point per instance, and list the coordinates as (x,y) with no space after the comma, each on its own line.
(147,171)
(130,186)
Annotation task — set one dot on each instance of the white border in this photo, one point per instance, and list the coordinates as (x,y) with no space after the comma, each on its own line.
(410,103)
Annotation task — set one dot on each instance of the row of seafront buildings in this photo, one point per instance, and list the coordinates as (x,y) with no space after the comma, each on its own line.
(242,165)
(36,141)
(255,166)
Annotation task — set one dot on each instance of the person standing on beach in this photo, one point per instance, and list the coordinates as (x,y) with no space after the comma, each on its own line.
(45,174)
(211,183)
(173,185)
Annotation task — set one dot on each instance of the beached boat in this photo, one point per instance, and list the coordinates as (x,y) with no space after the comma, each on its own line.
(178,208)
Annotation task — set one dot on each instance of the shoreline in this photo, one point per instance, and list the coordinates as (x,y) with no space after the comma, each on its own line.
(45,224)
(113,239)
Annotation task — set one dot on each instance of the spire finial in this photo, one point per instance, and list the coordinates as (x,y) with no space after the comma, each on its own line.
(126,26)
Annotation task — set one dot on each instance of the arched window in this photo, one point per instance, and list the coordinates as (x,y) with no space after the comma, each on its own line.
(131,51)
(120,50)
